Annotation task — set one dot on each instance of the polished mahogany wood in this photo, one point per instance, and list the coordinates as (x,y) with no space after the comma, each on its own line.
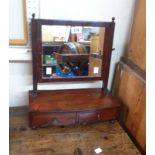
(71,100)
(98,115)
(69,107)
(37,48)
(52,119)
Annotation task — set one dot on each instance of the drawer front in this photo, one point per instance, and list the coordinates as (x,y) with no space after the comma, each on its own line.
(51,119)
(101,115)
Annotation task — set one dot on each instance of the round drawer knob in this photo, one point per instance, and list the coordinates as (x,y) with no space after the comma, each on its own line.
(55,122)
(98,116)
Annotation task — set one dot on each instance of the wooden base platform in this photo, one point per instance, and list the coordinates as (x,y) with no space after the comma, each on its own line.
(70,107)
(74,140)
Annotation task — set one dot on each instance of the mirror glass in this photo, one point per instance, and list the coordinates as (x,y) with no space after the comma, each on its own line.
(72,51)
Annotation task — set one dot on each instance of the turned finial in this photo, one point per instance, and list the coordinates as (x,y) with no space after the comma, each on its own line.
(113,19)
(33,15)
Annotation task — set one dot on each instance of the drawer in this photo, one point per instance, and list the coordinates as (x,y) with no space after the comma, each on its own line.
(51,119)
(95,116)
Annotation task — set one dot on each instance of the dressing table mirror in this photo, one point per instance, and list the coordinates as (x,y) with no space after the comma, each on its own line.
(64,51)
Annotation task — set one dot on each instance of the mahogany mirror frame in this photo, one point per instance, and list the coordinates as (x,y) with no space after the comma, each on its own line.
(36,25)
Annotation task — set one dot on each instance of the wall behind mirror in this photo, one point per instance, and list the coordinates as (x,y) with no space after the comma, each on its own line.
(99,10)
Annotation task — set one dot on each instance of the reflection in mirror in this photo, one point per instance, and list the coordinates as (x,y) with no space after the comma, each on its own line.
(72,51)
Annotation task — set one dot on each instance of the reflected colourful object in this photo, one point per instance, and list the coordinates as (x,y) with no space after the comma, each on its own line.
(49,59)
(59,73)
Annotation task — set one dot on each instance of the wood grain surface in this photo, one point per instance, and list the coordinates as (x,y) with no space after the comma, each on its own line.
(137,47)
(70,107)
(131,90)
(77,140)
(71,100)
